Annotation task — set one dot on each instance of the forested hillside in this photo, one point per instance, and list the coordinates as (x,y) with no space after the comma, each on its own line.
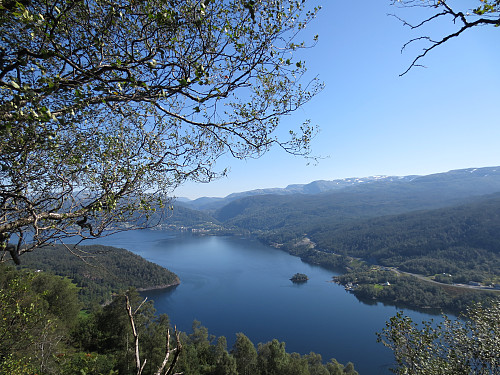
(429,225)
(315,187)
(462,241)
(176,216)
(446,226)
(99,270)
(183,216)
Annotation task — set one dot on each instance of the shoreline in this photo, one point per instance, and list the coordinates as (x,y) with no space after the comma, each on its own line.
(158,287)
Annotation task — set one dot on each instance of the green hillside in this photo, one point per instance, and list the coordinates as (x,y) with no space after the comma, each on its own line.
(99,270)
(443,227)
(463,241)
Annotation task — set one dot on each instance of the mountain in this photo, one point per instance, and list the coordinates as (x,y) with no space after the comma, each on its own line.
(175,216)
(184,216)
(322,186)
(353,201)
(315,187)
(445,226)
(319,186)
(203,203)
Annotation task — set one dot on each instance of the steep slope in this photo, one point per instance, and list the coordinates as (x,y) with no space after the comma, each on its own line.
(176,215)
(315,187)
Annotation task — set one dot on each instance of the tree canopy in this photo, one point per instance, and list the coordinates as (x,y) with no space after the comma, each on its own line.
(468,346)
(107,105)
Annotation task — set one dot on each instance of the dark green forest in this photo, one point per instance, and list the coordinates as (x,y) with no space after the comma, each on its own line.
(99,271)
(392,224)
(44,331)
(451,245)
(462,241)
(370,285)
(296,213)
(177,216)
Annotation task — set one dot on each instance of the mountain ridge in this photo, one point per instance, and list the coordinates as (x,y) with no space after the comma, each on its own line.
(322,186)
(378,198)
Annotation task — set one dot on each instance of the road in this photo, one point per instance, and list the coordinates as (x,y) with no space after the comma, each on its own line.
(426,278)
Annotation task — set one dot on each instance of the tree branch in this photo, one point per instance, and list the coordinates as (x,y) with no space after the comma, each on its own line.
(493,20)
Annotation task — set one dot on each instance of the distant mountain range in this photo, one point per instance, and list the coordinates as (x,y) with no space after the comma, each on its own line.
(471,181)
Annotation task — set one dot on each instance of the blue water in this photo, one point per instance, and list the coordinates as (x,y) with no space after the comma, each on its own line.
(235,285)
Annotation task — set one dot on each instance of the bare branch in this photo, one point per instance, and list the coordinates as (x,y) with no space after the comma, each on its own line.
(138,364)
(168,352)
(488,15)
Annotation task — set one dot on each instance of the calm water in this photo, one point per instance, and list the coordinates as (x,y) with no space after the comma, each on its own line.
(239,285)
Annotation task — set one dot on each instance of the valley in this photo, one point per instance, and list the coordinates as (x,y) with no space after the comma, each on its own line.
(441,232)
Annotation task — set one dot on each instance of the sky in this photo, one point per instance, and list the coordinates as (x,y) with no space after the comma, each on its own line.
(374,122)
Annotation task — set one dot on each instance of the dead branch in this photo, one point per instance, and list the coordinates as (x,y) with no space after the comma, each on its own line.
(168,351)
(138,365)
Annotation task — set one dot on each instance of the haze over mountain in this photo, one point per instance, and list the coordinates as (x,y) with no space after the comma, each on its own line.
(315,187)
(448,186)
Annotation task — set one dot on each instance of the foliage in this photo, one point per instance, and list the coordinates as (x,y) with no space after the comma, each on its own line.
(245,355)
(370,284)
(107,105)
(105,336)
(462,241)
(14,365)
(299,277)
(36,313)
(468,346)
(86,363)
(273,359)
(201,354)
(481,13)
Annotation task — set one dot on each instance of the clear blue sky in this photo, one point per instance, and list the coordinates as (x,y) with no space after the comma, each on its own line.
(372,121)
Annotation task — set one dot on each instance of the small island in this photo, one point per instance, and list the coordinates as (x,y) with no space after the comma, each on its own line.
(299,278)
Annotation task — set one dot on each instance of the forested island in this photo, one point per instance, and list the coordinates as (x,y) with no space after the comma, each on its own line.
(299,278)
